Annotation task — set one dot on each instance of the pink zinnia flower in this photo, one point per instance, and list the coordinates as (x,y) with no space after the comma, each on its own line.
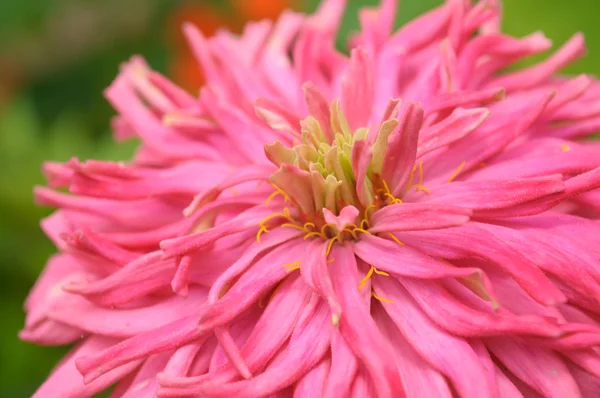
(409,220)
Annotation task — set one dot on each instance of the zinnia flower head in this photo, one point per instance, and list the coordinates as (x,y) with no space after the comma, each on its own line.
(410,219)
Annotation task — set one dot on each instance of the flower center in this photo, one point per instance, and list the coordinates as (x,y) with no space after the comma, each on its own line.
(331,180)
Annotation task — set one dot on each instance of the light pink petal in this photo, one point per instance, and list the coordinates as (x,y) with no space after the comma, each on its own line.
(440,349)
(66,382)
(343,368)
(94,364)
(448,243)
(313,383)
(359,330)
(357,89)
(542,370)
(417,216)
(402,148)
(420,379)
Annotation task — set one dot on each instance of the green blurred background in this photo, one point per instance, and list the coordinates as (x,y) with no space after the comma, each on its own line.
(56,56)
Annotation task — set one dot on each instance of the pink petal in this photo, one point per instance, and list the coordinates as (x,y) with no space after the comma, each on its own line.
(417,216)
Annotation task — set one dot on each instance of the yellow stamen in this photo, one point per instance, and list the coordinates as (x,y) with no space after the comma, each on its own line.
(364,231)
(260,231)
(331,260)
(292,266)
(311,234)
(325,227)
(369,207)
(309,224)
(421,173)
(282,192)
(412,175)
(290,225)
(363,222)
(385,187)
(457,171)
(271,197)
(364,280)
(422,188)
(382,273)
(398,241)
(565,147)
(383,299)
(330,245)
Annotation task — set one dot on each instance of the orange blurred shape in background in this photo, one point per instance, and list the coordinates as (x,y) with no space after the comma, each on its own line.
(184,69)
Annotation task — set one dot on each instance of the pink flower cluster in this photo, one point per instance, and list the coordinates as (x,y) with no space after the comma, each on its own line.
(407,220)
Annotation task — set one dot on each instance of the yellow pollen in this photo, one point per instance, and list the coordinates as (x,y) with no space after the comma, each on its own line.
(331,260)
(565,147)
(421,173)
(398,241)
(457,171)
(382,299)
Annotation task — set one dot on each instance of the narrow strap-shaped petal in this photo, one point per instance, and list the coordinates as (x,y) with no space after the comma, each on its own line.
(496,194)
(65,381)
(358,328)
(450,243)
(343,368)
(459,124)
(420,378)
(402,148)
(357,89)
(173,335)
(541,369)
(457,318)
(313,383)
(316,274)
(263,275)
(440,349)
(417,216)
(408,261)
